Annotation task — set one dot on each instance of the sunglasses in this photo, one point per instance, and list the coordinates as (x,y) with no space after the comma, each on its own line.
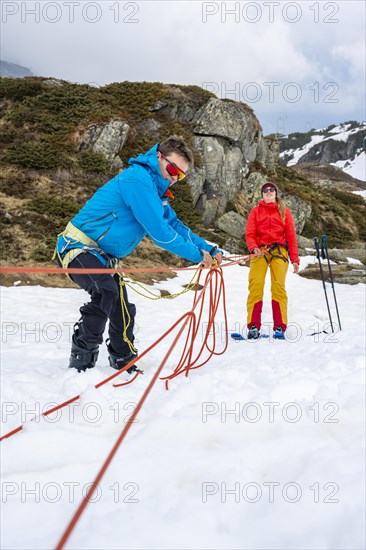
(268,190)
(173,170)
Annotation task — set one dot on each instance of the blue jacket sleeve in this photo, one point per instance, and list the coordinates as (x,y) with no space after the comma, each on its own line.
(186,232)
(141,196)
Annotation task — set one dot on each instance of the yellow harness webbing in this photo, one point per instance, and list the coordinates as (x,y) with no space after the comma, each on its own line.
(73,235)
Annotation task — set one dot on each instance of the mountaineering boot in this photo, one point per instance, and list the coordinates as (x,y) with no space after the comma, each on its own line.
(279,333)
(83,355)
(253,333)
(119,361)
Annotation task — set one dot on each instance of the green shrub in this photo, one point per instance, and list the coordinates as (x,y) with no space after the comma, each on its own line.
(196,92)
(44,251)
(17,89)
(38,155)
(183,205)
(15,183)
(53,208)
(93,162)
(70,104)
(134,97)
(41,254)
(8,135)
(137,142)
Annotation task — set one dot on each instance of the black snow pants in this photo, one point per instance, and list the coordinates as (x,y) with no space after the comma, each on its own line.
(105,303)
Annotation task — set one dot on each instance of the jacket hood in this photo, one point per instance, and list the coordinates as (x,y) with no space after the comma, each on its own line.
(150,161)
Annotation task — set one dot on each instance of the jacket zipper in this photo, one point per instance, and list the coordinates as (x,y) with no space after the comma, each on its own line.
(98,219)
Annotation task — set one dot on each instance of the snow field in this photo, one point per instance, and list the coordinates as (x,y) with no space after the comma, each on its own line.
(263,448)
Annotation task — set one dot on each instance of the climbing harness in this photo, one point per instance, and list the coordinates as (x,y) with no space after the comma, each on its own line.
(79,243)
(274,251)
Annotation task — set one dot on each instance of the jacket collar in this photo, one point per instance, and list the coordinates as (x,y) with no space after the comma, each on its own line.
(268,205)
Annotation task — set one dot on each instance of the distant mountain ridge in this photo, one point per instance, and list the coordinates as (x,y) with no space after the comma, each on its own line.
(342,146)
(13,70)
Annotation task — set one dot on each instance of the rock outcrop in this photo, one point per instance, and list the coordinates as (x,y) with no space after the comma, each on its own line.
(348,265)
(233,224)
(229,138)
(227,135)
(107,140)
(333,150)
(342,146)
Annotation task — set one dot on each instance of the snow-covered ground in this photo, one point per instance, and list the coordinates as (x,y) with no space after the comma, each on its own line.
(355,167)
(298,153)
(263,448)
(361,193)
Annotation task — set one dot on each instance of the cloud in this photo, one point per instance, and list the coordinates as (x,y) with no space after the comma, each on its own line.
(231,44)
(354,55)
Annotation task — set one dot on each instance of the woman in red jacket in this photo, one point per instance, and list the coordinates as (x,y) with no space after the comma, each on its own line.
(270,235)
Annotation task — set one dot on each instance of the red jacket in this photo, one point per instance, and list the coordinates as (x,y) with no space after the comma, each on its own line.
(265,226)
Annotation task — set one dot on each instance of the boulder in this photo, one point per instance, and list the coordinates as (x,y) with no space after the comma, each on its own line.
(232,223)
(235,246)
(209,208)
(268,152)
(228,137)
(303,242)
(230,121)
(107,139)
(342,273)
(180,103)
(149,126)
(300,210)
(337,254)
(252,188)
(196,182)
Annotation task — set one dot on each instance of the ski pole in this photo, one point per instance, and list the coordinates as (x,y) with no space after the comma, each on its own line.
(326,255)
(316,244)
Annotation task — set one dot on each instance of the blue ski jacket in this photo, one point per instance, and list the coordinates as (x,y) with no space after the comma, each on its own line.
(130,206)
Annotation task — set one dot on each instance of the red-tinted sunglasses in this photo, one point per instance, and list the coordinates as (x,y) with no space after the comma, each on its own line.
(173,170)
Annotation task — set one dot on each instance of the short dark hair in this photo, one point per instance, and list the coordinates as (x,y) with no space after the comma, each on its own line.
(176,144)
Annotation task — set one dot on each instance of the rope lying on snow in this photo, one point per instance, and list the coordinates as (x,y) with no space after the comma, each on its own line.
(214,285)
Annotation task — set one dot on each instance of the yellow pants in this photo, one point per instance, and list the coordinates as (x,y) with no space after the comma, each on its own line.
(257,274)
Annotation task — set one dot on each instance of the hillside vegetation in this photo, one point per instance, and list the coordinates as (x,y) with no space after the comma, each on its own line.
(45,178)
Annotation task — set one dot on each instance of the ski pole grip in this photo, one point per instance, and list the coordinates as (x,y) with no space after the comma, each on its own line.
(316,245)
(324,247)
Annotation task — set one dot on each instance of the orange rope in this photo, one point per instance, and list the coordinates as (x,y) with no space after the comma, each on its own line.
(215,283)
(187,363)
(81,270)
(189,316)
(119,372)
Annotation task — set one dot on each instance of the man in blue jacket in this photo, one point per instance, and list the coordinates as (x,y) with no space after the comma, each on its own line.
(109,227)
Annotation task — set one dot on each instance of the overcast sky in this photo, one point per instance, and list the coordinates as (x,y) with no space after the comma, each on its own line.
(297,64)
